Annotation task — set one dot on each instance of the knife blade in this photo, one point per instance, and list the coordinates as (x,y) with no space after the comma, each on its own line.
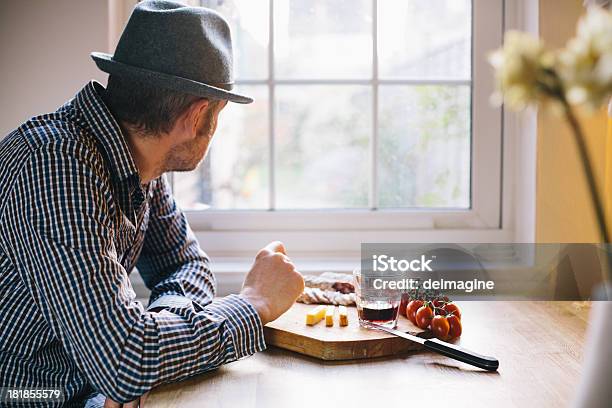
(444,348)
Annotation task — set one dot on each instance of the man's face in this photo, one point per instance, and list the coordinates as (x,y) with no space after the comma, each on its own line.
(187,155)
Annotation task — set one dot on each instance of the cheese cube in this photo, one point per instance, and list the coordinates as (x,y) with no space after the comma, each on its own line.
(329,315)
(315,315)
(343,315)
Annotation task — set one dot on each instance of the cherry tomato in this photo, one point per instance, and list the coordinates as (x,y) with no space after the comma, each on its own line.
(412,308)
(452,308)
(454,326)
(402,307)
(438,303)
(440,311)
(440,327)
(423,316)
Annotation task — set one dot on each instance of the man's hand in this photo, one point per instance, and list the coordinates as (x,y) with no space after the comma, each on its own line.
(137,403)
(272,284)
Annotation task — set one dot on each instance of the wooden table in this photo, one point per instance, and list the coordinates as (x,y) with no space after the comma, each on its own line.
(539,346)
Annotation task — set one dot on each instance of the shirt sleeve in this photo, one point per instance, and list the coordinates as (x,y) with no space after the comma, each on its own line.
(58,232)
(171,263)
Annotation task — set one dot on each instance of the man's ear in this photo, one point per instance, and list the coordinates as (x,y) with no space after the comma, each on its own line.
(193,116)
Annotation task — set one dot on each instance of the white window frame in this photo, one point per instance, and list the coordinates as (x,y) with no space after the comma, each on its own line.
(502,179)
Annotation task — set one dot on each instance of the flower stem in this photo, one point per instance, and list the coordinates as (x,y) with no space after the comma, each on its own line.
(587,168)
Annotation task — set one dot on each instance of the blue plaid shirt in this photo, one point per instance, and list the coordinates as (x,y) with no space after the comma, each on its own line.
(75,221)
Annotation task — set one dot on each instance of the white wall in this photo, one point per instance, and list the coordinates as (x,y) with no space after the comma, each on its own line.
(44,54)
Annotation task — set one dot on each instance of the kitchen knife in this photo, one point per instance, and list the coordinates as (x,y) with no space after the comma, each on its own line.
(444,348)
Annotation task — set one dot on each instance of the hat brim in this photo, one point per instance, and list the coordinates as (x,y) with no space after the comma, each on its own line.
(106,63)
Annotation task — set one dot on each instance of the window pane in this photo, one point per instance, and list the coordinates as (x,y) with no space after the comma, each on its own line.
(249,20)
(323,39)
(322,139)
(424,146)
(235,172)
(424,39)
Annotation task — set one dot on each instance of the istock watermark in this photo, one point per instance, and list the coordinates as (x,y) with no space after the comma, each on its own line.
(487,271)
(443,285)
(383,263)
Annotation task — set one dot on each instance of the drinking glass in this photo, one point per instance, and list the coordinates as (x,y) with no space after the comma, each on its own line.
(381,309)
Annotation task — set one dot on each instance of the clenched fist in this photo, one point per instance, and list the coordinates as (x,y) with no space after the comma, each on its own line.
(272,284)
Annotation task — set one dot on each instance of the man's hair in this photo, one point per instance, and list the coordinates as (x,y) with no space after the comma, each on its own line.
(147,108)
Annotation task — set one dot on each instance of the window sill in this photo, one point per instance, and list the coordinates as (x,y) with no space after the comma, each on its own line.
(335,244)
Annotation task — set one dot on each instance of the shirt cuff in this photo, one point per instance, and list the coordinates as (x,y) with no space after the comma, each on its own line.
(244,324)
(170,301)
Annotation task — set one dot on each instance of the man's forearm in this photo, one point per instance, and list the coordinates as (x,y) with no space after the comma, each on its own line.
(179,342)
(192,280)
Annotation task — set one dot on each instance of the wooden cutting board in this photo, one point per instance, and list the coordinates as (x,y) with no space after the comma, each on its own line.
(336,343)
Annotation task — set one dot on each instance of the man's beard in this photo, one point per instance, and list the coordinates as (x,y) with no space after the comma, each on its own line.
(188,155)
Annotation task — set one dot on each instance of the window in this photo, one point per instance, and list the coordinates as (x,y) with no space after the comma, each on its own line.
(368,115)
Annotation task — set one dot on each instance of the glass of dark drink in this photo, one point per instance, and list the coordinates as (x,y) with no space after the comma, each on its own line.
(383,311)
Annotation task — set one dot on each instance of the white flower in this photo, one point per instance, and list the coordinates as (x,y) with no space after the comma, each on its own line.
(586,62)
(599,3)
(523,71)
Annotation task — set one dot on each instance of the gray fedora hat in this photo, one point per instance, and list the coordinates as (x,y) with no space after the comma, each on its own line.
(181,48)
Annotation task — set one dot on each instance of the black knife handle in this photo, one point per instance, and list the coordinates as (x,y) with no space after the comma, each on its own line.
(461,354)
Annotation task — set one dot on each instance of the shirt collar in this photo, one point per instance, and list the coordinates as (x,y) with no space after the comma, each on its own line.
(101,123)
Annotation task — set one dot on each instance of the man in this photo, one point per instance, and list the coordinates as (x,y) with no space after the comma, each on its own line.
(83,201)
